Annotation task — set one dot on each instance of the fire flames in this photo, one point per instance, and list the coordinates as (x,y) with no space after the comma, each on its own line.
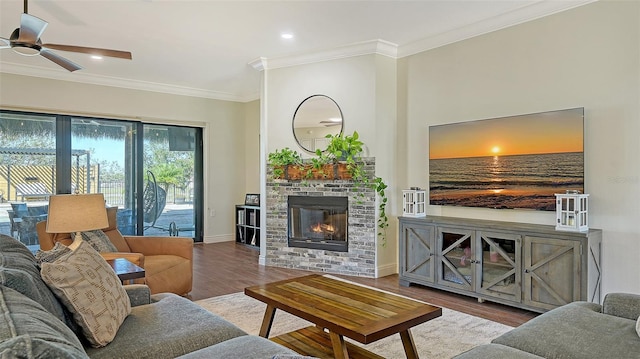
(323,228)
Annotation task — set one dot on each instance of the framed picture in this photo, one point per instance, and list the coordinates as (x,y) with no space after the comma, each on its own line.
(252,199)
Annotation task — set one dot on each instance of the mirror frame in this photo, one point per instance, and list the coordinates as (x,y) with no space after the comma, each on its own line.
(293,121)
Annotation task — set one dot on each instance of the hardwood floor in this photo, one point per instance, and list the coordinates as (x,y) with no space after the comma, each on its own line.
(225,268)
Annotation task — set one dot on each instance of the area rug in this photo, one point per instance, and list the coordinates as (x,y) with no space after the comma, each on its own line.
(440,338)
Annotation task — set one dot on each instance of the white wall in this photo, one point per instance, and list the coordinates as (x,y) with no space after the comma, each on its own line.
(252,147)
(223,122)
(586,57)
(364,88)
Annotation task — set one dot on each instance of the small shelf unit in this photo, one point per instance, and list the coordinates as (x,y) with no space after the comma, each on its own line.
(248,225)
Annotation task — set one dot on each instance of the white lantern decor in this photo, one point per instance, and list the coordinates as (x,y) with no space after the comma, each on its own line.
(414,202)
(572,212)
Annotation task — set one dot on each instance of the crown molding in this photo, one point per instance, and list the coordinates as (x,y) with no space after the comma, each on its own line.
(521,15)
(55,74)
(380,47)
(259,64)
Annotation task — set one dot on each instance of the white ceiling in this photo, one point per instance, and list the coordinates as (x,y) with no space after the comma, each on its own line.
(208,48)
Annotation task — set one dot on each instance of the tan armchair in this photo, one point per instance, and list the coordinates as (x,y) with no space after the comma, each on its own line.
(168,261)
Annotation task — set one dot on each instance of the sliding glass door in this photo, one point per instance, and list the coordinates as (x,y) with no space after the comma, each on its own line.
(106,165)
(169,165)
(152,173)
(27,172)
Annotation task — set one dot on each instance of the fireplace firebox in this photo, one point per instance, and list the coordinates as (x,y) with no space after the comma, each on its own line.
(318,222)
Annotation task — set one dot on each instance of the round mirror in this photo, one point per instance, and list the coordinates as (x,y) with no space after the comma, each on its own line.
(315,118)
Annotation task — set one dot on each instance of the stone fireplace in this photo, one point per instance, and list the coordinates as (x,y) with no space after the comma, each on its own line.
(332,249)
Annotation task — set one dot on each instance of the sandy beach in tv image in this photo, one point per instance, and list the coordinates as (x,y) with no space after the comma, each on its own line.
(509,162)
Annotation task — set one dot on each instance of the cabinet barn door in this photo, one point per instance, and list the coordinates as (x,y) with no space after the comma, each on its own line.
(417,247)
(552,273)
(499,271)
(456,260)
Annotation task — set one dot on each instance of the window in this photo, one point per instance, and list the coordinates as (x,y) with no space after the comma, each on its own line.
(151,172)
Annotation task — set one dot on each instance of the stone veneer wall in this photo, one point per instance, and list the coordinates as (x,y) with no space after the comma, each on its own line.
(358,261)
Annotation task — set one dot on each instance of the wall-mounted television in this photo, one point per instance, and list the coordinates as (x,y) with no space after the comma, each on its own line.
(516,162)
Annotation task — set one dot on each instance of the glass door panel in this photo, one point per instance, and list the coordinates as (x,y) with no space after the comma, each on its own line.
(500,265)
(103,161)
(169,163)
(457,262)
(27,173)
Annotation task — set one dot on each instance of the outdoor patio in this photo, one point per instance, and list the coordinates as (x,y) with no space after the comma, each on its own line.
(175,219)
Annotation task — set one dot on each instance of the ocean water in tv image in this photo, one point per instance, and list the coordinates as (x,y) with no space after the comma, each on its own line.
(518,181)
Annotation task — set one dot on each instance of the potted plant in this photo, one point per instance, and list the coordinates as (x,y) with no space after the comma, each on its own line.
(281,160)
(347,150)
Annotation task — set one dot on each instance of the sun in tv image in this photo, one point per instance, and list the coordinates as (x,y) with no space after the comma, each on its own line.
(509,162)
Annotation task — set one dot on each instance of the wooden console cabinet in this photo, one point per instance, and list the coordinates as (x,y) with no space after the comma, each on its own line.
(528,266)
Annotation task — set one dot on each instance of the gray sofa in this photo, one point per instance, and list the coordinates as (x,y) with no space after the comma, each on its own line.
(579,330)
(35,324)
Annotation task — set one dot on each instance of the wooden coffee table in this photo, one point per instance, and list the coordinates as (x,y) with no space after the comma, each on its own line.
(340,309)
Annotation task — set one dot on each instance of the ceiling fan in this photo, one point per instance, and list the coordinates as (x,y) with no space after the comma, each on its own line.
(25,40)
(331,123)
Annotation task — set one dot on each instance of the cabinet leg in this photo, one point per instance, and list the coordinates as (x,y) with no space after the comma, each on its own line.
(404,283)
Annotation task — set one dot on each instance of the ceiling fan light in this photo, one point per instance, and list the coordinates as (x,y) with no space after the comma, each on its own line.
(25,51)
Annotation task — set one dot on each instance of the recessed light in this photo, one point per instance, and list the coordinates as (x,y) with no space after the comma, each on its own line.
(96,57)
(287,35)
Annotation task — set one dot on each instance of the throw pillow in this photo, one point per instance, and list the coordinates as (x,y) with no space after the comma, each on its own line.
(20,271)
(98,240)
(56,252)
(87,285)
(27,330)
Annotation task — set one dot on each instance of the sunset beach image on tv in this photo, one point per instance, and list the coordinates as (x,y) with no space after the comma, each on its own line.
(516,162)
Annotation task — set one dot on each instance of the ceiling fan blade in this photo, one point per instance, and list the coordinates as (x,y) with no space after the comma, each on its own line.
(69,65)
(4,43)
(31,28)
(90,50)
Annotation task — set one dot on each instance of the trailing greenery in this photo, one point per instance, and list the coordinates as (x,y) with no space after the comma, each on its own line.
(280,159)
(346,149)
(349,149)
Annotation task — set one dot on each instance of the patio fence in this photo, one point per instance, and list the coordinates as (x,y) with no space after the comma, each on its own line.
(114,193)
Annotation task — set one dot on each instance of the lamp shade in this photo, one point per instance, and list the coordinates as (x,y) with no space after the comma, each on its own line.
(76,213)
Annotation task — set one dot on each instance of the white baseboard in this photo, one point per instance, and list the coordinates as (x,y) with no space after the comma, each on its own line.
(218,238)
(386,269)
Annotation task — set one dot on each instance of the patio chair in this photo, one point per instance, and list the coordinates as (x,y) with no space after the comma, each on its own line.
(17,211)
(155,198)
(23,221)
(32,190)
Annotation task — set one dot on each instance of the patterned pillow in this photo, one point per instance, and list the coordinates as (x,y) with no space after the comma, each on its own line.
(56,252)
(98,240)
(87,285)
